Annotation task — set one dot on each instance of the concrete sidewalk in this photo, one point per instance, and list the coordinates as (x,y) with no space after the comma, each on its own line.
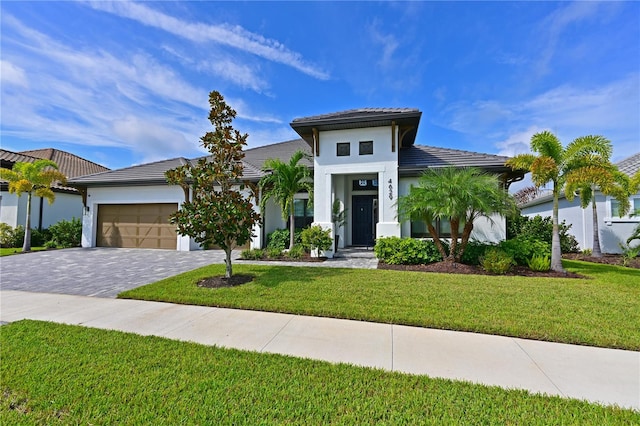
(605,376)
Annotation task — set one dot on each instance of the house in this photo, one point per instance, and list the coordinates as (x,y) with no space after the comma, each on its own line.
(613,229)
(365,158)
(68,203)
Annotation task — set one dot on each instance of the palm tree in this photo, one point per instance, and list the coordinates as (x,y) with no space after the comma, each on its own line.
(32,178)
(283,182)
(598,174)
(458,195)
(555,164)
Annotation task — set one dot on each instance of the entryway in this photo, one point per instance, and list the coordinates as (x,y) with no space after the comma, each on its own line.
(363,219)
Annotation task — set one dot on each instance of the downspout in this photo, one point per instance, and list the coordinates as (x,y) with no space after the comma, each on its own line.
(40,214)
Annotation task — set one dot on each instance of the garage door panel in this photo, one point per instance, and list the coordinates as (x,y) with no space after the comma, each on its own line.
(136,226)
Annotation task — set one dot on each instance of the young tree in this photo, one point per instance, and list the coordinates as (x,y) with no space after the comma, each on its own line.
(598,174)
(458,195)
(32,178)
(554,163)
(283,182)
(217,213)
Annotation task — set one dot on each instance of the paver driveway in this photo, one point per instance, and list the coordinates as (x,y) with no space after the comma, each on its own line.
(101,272)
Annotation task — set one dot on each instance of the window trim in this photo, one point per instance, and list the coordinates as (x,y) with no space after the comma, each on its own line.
(629,217)
(364,144)
(343,145)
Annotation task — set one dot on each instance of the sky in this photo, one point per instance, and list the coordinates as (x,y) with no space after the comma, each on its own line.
(124,83)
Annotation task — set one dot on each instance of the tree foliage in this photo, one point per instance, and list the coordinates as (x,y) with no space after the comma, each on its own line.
(282,182)
(33,178)
(551,162)
(217,213)
(459,195)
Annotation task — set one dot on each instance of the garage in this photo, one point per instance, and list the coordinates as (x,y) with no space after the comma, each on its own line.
(136,226)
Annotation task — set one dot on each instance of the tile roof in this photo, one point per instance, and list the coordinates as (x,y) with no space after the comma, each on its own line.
(358,114)
(149,174)
(282,150)
(69,164)
(630,165)
(416,158)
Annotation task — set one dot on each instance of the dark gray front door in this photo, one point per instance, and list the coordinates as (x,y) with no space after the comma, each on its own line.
(363,220)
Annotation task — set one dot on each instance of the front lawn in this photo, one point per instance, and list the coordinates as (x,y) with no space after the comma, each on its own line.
(603,310)
(60,374)
(7,251)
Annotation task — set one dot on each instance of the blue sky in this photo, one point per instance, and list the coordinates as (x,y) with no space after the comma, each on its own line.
(123,83)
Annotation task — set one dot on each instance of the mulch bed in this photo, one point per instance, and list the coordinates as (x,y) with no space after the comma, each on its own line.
(220,281)
(306,258)
(461,268)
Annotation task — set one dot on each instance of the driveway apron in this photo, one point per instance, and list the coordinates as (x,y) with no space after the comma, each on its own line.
(100,272)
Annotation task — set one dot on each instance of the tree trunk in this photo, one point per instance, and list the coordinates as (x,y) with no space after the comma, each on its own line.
(556,251)
(466,234)
(227,260)
(454,224)
(26,244)
(595,251)
(292,227)
(436,240)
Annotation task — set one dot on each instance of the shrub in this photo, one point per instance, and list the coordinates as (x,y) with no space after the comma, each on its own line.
(11,237)
(496,261)
(274,252)
(40,238)
(280,238)
(587,252)
(296,252)
(541,228)
(539,263)
(406,251)
(252,254)
(67,233)
(315,237)
(474,251)
(523,248)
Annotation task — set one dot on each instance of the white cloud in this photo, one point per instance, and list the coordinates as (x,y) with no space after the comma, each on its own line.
(389,45)
(12,74)
(517,143)
(229,35)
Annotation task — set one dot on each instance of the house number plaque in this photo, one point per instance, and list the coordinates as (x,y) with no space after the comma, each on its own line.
(390,189)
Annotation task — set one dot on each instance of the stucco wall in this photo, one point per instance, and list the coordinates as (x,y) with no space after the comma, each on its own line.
(613,231)
(13,209)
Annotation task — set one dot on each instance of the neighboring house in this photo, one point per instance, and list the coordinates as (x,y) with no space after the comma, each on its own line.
(68,203)
(614,230)
(365,158)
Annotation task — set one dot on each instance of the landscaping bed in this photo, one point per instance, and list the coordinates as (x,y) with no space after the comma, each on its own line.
(606,259)
(461,268)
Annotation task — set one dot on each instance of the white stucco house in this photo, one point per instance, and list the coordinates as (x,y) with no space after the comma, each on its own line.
(365,158)
(613,228)
(68,203)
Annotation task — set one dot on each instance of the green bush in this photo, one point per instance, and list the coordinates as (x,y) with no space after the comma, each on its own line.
(474,251)
(539,263)
(67,233)
(11,237)
(496,261)
(296,252)
(315,237)
(280,238)
(541,228)
(252,254)
(523,248)
(40,238)
(274,252)
(406,251)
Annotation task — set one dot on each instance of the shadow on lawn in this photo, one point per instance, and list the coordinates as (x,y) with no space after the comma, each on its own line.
(596,270)
(274,276)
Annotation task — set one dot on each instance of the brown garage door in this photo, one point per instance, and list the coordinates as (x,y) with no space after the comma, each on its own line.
(136,226)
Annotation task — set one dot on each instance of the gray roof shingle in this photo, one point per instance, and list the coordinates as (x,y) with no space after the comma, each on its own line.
(630,165)
(416,158)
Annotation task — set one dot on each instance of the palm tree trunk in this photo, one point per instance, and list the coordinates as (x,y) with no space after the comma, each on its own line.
(26,244)
(556,251)
(292,227)
(466,234)
(595,251)
(436,240)
(454,225)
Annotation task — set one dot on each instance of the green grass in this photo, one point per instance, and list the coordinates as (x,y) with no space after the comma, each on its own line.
(5,251)
(601,311)
(60,374)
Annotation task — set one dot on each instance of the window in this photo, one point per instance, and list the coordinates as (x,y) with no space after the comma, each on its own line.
(634,210)
(419,229)
(366,147)
(343,149)
(303,213)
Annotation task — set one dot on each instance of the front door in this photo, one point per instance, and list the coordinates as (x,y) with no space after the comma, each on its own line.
(363,219)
